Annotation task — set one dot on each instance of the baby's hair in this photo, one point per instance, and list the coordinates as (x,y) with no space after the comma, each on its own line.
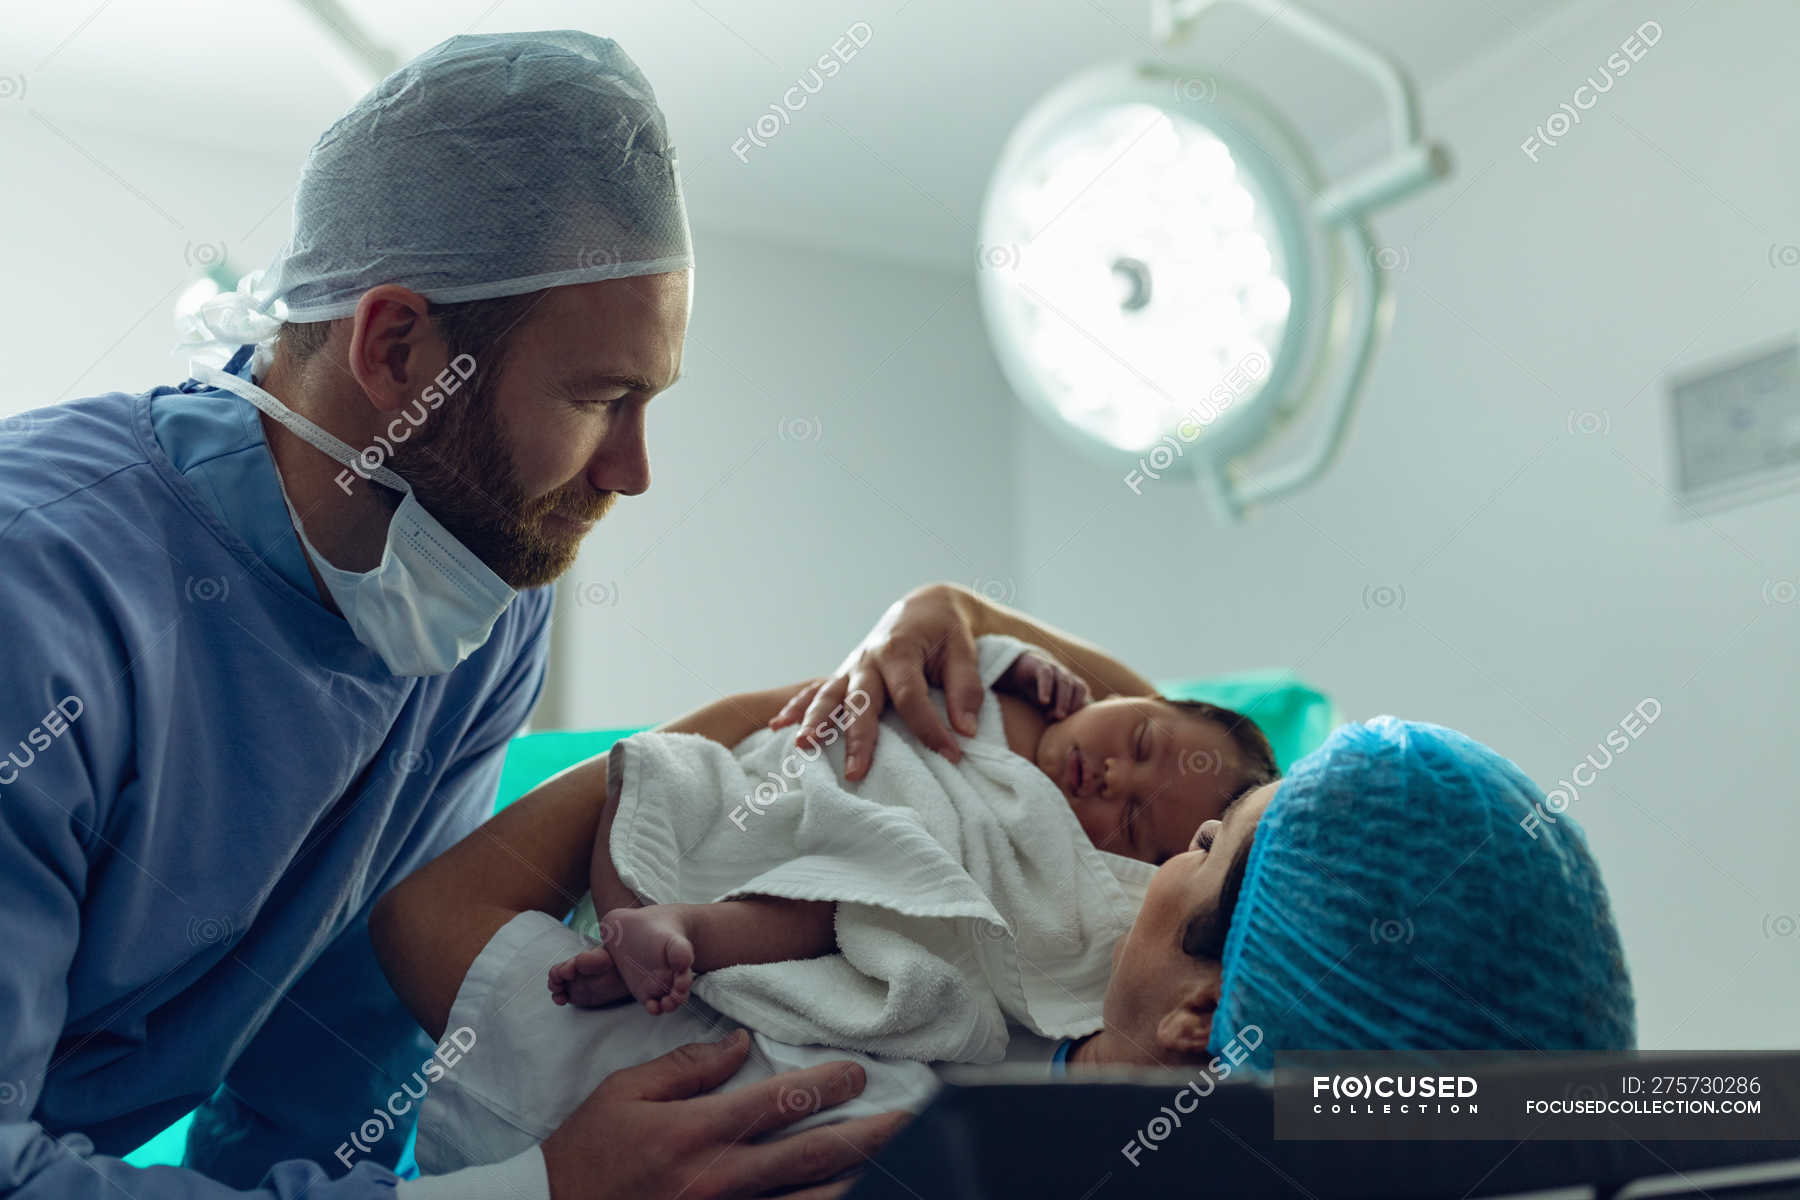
(1256,757)
(1203,936)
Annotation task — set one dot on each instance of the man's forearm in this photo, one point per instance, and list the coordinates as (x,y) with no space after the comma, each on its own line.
(1105,675)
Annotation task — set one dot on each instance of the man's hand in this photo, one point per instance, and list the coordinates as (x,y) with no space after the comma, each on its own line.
(651,1132)
(1039,679)
(926,639)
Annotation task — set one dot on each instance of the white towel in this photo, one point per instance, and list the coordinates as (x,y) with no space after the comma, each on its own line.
(966,893)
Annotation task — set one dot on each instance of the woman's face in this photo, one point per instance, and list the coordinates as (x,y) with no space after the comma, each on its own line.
(1147,1005)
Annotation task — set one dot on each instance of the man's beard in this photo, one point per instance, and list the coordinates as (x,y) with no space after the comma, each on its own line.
(462,471)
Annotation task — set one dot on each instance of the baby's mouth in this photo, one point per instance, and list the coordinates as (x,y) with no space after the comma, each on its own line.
(1074,772)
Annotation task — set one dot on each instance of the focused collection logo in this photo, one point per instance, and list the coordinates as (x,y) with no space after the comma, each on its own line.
(1394,1095)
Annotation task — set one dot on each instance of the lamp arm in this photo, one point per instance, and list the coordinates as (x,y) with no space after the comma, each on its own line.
(1371,325)
(1410,165)
(1172,20)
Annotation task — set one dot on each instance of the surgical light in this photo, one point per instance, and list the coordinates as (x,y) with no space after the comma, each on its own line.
(1167,277)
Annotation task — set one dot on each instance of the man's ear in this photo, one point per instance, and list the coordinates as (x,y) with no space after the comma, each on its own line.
(394,348)
(1187,1027)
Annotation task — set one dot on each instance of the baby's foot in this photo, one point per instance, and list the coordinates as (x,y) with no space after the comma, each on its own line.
(588,980)
(652,953)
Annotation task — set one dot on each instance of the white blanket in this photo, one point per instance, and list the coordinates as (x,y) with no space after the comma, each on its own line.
(966,893)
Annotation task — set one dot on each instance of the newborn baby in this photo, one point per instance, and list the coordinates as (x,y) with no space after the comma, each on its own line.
(1139,775)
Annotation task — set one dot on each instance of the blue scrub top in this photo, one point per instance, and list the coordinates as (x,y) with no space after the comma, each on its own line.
(214,438)
(205,783)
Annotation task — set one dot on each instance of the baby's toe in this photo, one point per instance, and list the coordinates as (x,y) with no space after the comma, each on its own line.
(679,954)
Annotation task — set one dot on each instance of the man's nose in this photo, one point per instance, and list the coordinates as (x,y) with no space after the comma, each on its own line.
(622,463)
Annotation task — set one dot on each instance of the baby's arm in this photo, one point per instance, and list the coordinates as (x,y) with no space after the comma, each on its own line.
(1036,676)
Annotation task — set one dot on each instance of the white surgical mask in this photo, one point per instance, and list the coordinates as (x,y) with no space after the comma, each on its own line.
(431,602)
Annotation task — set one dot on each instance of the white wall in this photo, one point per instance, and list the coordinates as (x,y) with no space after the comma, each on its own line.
(99,235)
(1547,586)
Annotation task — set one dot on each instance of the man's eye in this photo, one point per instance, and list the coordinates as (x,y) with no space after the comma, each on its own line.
(591,399)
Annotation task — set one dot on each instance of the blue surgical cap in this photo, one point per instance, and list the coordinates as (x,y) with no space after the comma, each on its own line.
(1395,900)
(490,165)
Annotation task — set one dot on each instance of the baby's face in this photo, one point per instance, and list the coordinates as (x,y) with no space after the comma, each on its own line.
(1140,774)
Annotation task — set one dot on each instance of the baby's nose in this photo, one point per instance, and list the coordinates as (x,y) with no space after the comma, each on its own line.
(1112,771)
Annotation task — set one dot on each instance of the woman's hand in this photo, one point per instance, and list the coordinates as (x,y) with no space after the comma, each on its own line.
(925,639)
(1041,680)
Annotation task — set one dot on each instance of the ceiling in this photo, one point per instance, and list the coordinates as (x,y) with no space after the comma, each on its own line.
(889,158)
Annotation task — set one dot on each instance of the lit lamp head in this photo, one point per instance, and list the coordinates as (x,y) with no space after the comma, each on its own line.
(1168,280)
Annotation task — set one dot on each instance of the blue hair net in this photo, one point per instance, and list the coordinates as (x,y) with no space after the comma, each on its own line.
(1394,900)
(490,165)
